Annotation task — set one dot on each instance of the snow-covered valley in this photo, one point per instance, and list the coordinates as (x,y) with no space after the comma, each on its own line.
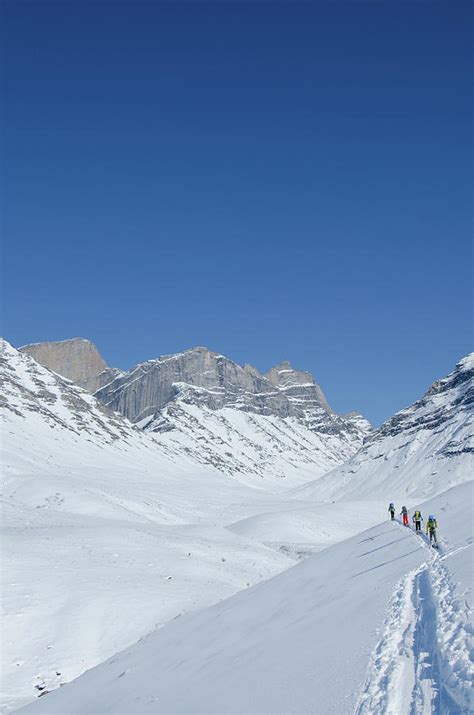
(111,532)
(316,639)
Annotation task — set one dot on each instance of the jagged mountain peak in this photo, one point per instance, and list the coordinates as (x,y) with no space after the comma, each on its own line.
(151,385)
(207,379)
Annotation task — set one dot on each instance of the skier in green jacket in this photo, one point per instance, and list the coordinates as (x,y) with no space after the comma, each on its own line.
(431,526)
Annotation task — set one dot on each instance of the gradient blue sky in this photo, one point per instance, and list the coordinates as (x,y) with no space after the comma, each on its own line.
(272,180)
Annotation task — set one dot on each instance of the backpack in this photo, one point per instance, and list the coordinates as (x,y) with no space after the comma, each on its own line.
(391,506)
(417,516)
(404,510)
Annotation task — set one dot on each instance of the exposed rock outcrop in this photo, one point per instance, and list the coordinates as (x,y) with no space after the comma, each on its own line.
(299,387)
(204,378)
(219,382)
(76,359)
(201,378)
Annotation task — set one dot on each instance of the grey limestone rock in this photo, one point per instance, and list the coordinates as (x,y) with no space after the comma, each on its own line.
(197,375)
(76,359)
(298,386)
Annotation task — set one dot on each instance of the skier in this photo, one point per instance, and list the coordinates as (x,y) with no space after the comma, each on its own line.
(431,526)
(404,514)
(391,509)
(417,519)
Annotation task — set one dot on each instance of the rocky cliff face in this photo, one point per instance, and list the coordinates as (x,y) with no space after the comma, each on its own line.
(150,386)
(159,396)
(204,378)
(220,429)
(299,387)
(76,359)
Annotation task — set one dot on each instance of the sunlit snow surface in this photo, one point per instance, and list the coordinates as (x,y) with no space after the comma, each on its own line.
(109,534)
(317,638)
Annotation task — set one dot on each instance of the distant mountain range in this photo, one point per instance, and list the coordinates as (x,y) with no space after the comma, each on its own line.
(275,430)
(274,426)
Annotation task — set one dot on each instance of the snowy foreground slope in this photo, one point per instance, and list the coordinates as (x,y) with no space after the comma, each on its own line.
(376,624)
(421,451)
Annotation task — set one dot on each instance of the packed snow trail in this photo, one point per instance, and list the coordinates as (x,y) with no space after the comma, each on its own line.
(422,664)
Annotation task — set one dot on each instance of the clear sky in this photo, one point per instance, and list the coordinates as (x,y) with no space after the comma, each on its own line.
(272,180)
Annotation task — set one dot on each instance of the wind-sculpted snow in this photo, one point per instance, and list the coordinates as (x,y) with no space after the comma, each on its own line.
(422,450)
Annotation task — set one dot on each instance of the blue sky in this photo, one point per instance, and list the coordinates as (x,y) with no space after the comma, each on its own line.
(272,180)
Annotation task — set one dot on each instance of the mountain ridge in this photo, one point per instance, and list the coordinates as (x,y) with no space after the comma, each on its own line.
(213,381)
(422,447)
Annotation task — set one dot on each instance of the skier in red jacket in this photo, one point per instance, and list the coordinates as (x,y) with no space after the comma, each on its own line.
(404,514)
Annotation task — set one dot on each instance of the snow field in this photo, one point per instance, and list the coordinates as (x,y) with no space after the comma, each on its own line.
(308,640)
(296,643)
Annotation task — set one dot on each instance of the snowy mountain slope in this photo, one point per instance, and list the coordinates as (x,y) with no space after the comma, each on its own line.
(258,428)
(205,378)
(313,639)
(420,451)
(108,531)
(232,417)
(257,449)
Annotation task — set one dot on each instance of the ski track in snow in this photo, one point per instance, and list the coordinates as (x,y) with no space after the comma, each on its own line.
(422,664)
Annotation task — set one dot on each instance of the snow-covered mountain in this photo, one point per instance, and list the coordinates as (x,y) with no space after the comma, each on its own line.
(257,428)
(235,418)
(420,451)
